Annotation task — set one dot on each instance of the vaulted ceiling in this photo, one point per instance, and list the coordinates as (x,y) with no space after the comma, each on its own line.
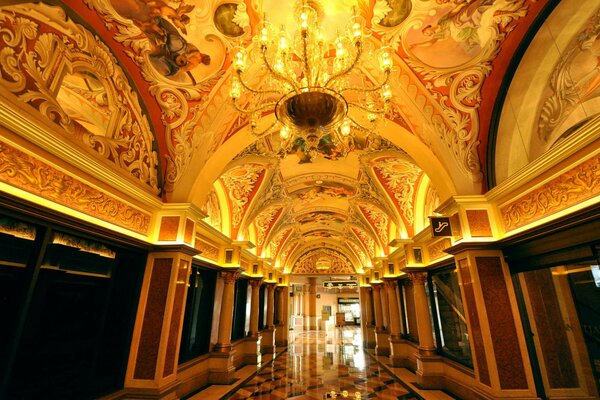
(184,142)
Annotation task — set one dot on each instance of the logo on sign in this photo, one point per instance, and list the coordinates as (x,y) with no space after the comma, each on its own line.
(440,226)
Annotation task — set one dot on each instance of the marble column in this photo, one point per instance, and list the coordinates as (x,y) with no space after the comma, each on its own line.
(282,317)
(268,334)
(366,306)
(254,310)
(381,335)
(252,354)
(429,366)
(312,303)
(223,372)
(305,307)
(398,347)
(426,343)
(153,358)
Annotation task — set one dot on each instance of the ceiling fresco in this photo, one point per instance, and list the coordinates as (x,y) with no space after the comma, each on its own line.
(165,66)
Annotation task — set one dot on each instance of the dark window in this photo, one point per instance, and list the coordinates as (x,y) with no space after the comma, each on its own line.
(78,299)
(195,337)
(239,309)
(451,326)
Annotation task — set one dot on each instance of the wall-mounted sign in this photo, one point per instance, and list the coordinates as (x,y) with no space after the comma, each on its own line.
(440,226)
(340,284)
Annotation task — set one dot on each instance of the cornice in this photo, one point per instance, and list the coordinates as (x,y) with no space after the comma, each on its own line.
(584,137)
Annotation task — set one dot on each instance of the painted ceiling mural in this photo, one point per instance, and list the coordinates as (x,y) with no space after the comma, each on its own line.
(172,61)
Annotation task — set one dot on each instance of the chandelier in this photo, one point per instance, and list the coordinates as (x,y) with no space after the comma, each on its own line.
(316,88)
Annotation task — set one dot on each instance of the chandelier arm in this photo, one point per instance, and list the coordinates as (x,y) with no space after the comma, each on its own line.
(265,131)
(372,89)
(350,68)
(254,110)
(365,108)
(276,74)
(254,91)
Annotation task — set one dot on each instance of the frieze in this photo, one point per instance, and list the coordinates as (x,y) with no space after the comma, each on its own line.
(574,186)
(22,171)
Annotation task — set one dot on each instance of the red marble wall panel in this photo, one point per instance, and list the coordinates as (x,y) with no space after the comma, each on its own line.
(479,223)
(476,336)
(551,331)
(168,228)
(145,363)
(505,341)
(178,308)
(189,231)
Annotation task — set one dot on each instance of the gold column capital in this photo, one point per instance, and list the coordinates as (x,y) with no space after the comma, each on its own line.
(418,278)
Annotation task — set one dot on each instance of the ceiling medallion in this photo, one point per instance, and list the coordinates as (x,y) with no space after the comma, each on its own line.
(323,264)
(316,88)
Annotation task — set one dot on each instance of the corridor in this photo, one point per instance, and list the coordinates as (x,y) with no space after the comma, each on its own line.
(319,365)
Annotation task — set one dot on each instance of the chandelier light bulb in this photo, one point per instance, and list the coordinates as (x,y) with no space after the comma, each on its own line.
(311,83)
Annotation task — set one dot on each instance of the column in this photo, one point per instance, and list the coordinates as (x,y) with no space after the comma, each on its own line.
(312,303)
(153,357)
(251,346)
(429,366)
(255,285)
(282,310)
(385,309)
(268,335)
(366,318)
(305,312)
(426,344)
(398,347)
(382,347)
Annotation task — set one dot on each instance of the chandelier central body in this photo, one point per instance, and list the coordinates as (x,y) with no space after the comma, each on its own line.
(316,89)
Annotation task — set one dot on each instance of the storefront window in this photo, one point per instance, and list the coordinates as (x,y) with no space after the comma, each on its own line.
(195,337)
(452,335)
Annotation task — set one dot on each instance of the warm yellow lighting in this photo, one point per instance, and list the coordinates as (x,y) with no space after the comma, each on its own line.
(312,83)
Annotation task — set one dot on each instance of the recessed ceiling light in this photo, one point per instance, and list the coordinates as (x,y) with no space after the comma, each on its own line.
(318,182)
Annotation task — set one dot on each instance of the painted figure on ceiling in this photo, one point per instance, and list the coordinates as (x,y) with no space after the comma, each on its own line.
(170,52)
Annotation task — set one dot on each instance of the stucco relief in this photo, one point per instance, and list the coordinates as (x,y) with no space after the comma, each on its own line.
(22,171)
(306,264)
(213,211)
(208,250)
(574,82)
(574,186)
(366,240)
(378,220)
(264,224)
(73,80)
(240,182)
(399,178)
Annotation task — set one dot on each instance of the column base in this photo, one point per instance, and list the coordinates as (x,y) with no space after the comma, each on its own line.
(369,341)
(399,351)
(268,341)
(383,343)
(281,336)
(252,353)
(430,370)
(222,370)
(312,322)
(166,392)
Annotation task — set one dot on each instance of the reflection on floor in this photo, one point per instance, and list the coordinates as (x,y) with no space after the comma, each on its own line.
(318,366)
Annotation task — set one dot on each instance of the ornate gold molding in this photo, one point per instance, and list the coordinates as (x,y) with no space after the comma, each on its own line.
(572,187)
(24,172)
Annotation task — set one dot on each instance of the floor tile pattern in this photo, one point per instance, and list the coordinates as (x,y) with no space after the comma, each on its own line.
(317,364)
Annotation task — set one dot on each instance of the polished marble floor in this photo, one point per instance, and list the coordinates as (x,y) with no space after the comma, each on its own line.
(319,365)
